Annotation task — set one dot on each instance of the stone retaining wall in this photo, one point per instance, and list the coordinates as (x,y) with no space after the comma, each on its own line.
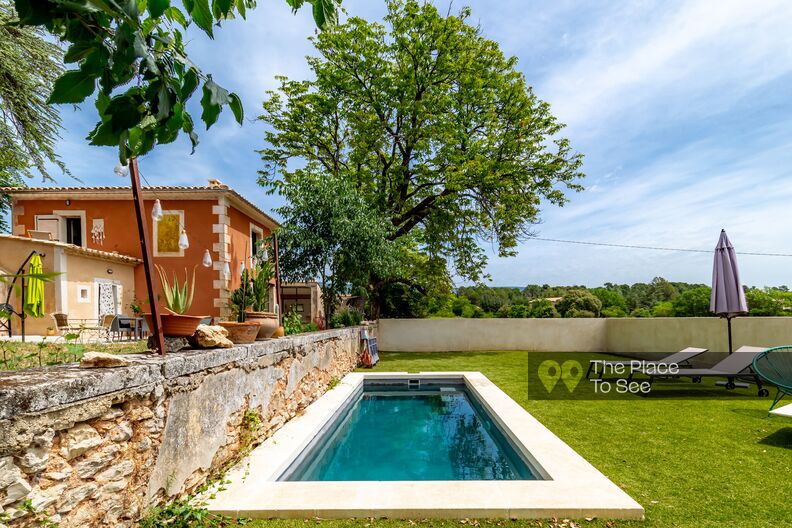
(96,447)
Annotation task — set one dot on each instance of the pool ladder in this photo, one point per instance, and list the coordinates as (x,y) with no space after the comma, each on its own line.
(414,384)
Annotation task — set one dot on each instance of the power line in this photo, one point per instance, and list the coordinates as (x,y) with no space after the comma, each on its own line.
(656,248)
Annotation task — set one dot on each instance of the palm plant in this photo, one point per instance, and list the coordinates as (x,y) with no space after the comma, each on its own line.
(178,298)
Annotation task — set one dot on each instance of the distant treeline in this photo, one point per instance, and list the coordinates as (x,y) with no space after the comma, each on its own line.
(659,298)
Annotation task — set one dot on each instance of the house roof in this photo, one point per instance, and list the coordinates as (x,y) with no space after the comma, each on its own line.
(76,250)
(214,190)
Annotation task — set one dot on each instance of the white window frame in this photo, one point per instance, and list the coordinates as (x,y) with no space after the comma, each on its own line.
(119,299)
(61,215)
(80,289)
(155,227)
(260,232)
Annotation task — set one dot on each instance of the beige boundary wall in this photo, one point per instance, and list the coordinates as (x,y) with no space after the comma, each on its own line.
(580,335)
(97,447)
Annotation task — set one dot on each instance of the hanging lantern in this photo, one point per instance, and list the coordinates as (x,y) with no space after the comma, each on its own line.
(242,267)
(207,259)
(122,171)
(156,212)
(226,270)
(184,243)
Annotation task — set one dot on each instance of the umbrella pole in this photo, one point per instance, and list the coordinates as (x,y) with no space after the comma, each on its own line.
(728,323)
(22,314)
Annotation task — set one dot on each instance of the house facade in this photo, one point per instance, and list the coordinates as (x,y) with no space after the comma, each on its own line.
(215,218)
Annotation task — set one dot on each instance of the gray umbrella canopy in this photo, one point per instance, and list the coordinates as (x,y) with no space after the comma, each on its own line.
(727,298)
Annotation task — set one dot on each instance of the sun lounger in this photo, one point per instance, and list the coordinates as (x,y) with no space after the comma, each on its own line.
(681,358)
(736,365)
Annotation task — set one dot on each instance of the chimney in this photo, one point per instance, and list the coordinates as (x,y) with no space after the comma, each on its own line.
(217,184)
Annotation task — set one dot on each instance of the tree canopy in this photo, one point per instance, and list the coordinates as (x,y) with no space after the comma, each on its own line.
(134,50)
(435,128)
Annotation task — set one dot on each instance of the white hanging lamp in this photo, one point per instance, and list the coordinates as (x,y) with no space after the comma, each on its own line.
(156,211)
(207,259)
(184,243)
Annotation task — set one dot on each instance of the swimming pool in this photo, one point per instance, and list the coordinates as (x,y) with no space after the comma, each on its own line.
(406,446)
(435,430)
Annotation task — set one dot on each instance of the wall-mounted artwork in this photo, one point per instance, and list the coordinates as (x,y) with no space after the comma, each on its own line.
(97,231)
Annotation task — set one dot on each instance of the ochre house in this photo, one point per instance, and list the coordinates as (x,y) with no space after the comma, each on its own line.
(102,221)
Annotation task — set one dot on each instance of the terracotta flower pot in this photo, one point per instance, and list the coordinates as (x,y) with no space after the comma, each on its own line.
(241,333)
(267,320)
(175,325)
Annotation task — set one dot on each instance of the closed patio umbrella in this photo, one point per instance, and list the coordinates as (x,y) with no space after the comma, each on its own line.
(34,296)
(727,298)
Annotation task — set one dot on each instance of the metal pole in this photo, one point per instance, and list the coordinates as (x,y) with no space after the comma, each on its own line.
(22,314)
(148,267)
(728,323)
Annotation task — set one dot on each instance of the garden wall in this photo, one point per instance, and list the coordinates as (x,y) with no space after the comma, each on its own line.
(617,335)
(96,447)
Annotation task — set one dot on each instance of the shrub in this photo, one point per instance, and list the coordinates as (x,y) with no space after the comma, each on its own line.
(346,317)
(693,303)
(579,300)
(610,299)
(575,313)
(640,312)
(543,309)
(663,309)
(399,300)
(762,303)
(613,311)
(518,311)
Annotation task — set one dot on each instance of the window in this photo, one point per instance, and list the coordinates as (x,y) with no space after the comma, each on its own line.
(83,294)
(256,238)
(166,234)
(74,230)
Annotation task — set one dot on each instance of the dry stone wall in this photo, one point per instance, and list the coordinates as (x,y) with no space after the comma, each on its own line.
(96,447)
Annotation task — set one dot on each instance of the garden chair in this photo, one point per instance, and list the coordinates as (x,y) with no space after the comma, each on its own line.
(63,325)
(681,358)
(734,366)
(774,365)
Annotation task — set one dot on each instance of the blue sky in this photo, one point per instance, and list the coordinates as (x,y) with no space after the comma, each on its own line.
(682,109)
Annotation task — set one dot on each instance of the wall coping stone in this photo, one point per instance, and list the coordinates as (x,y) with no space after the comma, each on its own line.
(41,389)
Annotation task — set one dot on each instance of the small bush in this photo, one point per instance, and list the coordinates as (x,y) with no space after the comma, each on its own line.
(663,309)
(346,317)
(543,309)
(518,311)
(640,312)
(575,313)
(613,311)
(579,301)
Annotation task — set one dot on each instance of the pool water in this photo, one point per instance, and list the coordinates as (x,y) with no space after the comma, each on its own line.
(411,435)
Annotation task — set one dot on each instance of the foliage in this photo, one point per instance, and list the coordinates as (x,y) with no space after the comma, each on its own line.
(543,309)
(663,309)
(434,127)
(613,311)
(330,232)
(346,317)
(640,312)
(136,52)
(178,299)
(610,298)
(292,323)
(29,127)
(185,513)
(579,303)
(693,303)
(400,300)
(518,311)
(762,302)
(265,271)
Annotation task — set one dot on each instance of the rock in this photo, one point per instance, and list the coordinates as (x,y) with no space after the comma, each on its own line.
(112,488)
(41,499)
(78,440)
(9,472)
(95,461)
(172,344)
(121,433)
(137,414)
(18,490)
(74,496)
(207,336)
(44,439)
(34,460)
(144,445)
(58,475)
(116,472)
(112,414)
(102,359)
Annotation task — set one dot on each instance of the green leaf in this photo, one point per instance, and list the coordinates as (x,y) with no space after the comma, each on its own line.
(103,135)
(236,106)
(157,7)
(174,14)
(77,51)
(124,112)
(190,83)
(202,15)
(74,86)
(223,6)
(187,126)
(212,101)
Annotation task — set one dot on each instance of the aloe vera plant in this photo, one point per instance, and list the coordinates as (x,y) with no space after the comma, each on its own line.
(178,298)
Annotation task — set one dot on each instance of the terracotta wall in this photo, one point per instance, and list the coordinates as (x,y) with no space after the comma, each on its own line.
(239,233)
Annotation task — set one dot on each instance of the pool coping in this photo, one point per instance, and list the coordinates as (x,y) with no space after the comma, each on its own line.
(573,489)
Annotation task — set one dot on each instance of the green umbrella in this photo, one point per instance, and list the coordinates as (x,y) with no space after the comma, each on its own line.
(34,298)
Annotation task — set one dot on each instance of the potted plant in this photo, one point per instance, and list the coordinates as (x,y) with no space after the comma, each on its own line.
(259,307)
(178,300)
(240,330)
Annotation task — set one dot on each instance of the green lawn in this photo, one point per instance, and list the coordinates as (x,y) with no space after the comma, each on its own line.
(55,351)
(689,462)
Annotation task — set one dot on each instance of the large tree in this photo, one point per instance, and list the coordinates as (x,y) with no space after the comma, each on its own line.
(432,124)
(29,127)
